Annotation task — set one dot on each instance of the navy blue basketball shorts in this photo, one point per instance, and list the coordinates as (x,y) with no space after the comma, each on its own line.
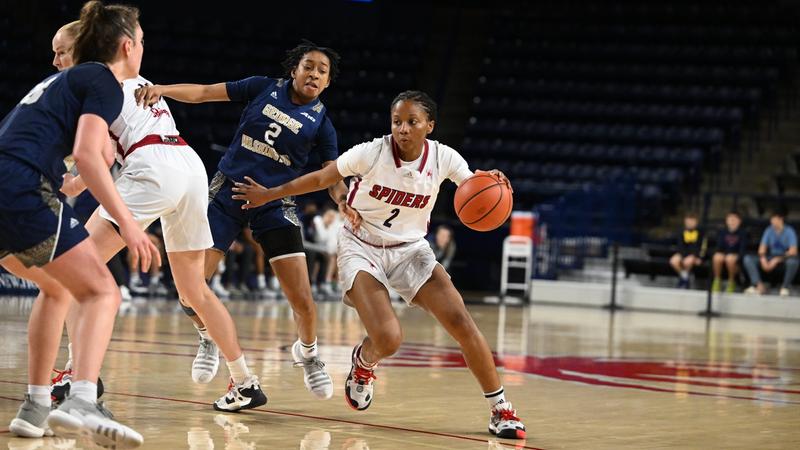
(275,227)
(36,226)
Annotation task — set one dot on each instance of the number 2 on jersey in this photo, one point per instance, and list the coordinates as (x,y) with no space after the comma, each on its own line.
(272,133)
(388,222)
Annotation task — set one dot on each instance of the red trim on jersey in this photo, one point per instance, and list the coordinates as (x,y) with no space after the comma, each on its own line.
(120,150)
(151,139)
(353,192)
(424,156)
(375,245)
(396,155)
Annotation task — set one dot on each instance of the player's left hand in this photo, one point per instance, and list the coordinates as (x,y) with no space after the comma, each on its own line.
(253,194)
(500,175)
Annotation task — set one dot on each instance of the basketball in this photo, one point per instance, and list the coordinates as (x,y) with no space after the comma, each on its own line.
(483,202)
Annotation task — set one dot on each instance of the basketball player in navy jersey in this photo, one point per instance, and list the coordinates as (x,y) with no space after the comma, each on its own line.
(70,112)
(396,181)
(283,123)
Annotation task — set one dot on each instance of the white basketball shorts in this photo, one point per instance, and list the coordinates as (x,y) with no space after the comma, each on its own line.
(404,268)
(167,182)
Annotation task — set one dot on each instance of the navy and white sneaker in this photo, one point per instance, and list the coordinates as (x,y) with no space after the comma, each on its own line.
(358,389)
(504,422)
(244,395)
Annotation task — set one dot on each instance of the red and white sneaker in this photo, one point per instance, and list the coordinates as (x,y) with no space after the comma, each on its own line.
(59,386)
(358,387)
(504,422)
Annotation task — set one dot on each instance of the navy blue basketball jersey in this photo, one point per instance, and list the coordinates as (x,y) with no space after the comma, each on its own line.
(275,137)
(40,130)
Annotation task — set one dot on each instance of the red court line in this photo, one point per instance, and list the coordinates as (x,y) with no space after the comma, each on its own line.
(518,445)
(329,419)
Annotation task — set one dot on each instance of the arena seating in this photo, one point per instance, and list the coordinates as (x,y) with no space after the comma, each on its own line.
(574,94)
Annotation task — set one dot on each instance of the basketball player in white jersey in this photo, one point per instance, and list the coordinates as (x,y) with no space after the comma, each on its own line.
(162,177)
(396,180)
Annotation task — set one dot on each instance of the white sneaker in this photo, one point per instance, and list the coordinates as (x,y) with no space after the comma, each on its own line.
(206,363)
(784,292)
(752,291)
(76,416)
(316,379)
(31,420)
(504,422)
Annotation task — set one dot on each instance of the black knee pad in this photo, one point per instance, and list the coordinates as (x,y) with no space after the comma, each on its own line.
(281,241)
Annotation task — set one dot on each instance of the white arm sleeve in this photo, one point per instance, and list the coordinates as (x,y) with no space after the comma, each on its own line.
(359,159)
(453,165)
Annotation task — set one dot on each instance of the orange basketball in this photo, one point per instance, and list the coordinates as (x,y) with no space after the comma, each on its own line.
(483,202)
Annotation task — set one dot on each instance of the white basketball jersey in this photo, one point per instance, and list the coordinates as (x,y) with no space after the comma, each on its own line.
(136,122)
(395,197)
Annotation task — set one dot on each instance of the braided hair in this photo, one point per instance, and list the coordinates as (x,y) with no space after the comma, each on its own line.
(420,98)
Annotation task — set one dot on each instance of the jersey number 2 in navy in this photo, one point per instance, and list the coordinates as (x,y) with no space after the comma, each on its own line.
(388,222)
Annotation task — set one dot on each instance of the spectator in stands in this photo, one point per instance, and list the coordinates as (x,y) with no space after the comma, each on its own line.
(778,247)
(731,245)
(690,249)
(443,245)
(326,233)
(315,256)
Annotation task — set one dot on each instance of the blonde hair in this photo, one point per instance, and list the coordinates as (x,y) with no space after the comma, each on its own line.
(70,29)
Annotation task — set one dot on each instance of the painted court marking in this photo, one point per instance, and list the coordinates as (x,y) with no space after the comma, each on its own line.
(518,444)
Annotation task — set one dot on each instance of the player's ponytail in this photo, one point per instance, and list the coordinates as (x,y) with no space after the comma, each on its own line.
(101,28)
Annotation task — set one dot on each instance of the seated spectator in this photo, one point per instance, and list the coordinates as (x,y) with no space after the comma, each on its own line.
(326,233)
(731,245)
(778,247)
(443,246)
(690,248)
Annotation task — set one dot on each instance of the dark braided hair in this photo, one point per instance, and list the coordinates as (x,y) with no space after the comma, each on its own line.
(420,98)
(101,28)
(295,55)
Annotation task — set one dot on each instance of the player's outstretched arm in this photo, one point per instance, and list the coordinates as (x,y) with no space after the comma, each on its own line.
(187,93)
(256,195)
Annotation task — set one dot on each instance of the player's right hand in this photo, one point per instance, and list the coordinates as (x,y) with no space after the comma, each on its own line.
(143,251)
(147,96)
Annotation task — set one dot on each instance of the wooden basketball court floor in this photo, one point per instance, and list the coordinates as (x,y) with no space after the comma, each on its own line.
(580,379)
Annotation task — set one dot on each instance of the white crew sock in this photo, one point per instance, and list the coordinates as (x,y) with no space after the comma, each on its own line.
(308,350)
(203,332)
(238,369)
(84,390)
(40,394)
(495,397)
